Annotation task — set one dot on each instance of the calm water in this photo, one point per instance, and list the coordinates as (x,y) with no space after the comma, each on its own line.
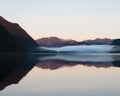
(60,75)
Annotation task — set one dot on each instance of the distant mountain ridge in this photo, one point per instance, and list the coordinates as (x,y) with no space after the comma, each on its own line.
(100,41)
(57,42)
(54,41)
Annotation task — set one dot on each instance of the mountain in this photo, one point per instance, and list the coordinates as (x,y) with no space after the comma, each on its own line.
(99,41)
(53,41)
(116,42)
(9,43)
(57,42)
(19,34)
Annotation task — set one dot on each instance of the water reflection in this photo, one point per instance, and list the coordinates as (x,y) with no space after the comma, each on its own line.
(14,67)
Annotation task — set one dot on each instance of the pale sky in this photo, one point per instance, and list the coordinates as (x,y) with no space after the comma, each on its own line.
(67,19)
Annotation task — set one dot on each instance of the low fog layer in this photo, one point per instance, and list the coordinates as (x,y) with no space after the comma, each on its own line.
(86,49)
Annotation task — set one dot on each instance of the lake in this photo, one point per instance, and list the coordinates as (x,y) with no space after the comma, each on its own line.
(88,74)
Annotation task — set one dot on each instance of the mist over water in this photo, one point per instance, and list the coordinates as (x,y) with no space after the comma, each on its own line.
(85,49)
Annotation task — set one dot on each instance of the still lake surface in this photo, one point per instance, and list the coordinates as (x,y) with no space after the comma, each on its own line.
(61,75)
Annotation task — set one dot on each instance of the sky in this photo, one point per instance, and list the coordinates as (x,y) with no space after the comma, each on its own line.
(67,19)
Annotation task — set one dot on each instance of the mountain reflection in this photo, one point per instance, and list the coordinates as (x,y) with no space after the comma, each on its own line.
(69,60)
(13,67)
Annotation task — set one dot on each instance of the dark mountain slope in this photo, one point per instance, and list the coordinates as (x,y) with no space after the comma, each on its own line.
(8,44)
(18,33)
